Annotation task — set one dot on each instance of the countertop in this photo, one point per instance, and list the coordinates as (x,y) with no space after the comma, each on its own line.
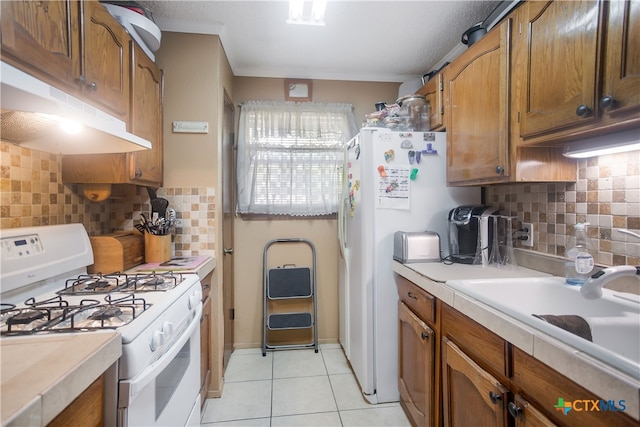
(42,375)
(602,379)
(200,265)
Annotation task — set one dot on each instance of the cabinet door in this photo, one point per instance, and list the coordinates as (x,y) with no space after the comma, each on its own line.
(41,37)
(471,395)
(105,60)
(477,119)
(205,349)
(526,415)
(416,381)
(621,89)
(146,117)
(432,91)
(560,69)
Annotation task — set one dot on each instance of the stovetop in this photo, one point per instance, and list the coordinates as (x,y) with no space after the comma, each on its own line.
(46,289)
(89,302)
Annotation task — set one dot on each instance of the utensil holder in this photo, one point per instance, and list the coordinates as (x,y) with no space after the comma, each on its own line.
(157,248)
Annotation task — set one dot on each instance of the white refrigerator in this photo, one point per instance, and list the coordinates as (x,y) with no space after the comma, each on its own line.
(393,181)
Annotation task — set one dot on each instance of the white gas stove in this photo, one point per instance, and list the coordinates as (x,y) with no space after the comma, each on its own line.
(46,289)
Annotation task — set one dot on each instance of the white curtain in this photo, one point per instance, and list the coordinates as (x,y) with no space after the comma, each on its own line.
(290,157)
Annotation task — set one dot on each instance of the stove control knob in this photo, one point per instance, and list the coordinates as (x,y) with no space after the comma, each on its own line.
(157,340)
(167,328)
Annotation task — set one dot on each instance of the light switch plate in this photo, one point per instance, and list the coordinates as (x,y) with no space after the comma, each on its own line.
(181,126)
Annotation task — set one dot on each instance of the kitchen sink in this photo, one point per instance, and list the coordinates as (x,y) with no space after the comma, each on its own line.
(614,319)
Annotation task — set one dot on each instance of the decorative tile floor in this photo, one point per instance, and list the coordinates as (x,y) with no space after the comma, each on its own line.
(295,388)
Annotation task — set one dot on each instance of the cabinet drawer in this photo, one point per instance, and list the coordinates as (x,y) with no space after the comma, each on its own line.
(418,300)
(543,386)
(488,349)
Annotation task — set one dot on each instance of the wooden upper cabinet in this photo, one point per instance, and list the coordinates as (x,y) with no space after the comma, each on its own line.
(143,167)
(41,37)
(580,68)
(477,110)
(433,93)
(560,66)
(146,117)
(621,88)
(75,46)
(105,60)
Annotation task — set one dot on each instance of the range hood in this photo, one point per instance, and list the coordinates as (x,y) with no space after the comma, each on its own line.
(33,111)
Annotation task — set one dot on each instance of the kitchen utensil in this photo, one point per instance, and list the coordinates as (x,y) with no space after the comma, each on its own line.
(171,217)
(160,206)
(152,193)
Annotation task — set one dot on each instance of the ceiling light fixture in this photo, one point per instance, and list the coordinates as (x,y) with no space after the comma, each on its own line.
(304,12)
(616,143)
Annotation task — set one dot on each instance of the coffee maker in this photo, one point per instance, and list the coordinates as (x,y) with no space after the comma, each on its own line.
(468,226)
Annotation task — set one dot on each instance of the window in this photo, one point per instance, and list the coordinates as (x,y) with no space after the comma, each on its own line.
(290,157)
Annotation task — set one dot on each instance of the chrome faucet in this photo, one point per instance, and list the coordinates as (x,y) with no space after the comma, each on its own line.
(592,288)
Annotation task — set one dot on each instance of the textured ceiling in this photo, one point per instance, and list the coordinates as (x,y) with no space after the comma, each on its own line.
(391,41)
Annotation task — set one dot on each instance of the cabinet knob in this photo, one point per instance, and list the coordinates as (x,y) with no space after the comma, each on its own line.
(606,102)
(83,82)
(425,336)
(138,173)
(412,296)
(583,111)
(494,397)
(514,409)
(499,170)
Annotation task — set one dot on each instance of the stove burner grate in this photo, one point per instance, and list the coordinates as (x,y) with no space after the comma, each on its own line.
(95,283)
(105,313)
(118,311)
(156,281)
(38,316)
(27,316)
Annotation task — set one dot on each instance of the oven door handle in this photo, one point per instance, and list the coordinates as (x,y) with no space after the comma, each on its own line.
(130,388)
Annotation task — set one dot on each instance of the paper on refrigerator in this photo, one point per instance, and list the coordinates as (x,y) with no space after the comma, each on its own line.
(394,188)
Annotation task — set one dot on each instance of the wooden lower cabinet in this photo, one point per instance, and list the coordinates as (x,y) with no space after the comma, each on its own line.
(453,371)
(525,415)
(544,386)
(471,396)
(86,410)
(205,339)
(416,382)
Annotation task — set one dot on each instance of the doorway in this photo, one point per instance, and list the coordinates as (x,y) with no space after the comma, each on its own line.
(228,215)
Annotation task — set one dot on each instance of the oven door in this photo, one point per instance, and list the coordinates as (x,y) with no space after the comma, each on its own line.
(167,392)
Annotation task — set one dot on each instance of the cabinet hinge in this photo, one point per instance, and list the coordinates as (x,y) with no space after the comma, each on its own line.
(518,116)
(441,111)
(441,86)
(232,313)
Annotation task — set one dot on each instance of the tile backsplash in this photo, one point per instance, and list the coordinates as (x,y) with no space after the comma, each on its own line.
(32,194)
(606,195)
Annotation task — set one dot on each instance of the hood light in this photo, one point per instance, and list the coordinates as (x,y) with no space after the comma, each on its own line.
(70,126)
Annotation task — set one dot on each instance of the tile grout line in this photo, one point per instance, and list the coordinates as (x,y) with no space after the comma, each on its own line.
(333,393)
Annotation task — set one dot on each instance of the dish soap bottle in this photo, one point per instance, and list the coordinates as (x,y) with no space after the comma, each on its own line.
(579,260)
